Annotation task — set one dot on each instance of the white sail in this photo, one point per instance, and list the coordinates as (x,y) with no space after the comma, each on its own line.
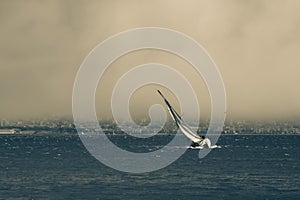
(185,129)
(206,143)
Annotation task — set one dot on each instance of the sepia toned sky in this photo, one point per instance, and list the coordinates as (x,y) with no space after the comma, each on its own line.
(256,45)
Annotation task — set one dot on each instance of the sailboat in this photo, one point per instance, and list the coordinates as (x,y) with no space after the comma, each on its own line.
(197,140)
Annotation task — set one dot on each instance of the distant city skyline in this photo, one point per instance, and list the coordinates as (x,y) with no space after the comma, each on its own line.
(255,44)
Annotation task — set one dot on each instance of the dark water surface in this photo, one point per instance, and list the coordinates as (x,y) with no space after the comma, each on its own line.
(59,167)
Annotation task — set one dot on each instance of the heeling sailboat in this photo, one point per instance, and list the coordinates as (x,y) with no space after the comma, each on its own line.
(197,140)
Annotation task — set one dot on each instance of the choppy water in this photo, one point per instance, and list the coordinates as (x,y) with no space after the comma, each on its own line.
(59,167)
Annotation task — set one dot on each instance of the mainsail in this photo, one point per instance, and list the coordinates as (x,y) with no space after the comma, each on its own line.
(185,129)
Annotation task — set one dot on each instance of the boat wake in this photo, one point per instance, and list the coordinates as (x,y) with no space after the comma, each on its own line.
(201,147)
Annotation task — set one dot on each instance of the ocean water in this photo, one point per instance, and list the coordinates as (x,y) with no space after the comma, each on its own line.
(59,167)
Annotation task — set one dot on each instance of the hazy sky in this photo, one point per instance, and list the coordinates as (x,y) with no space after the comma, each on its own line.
(256,45)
